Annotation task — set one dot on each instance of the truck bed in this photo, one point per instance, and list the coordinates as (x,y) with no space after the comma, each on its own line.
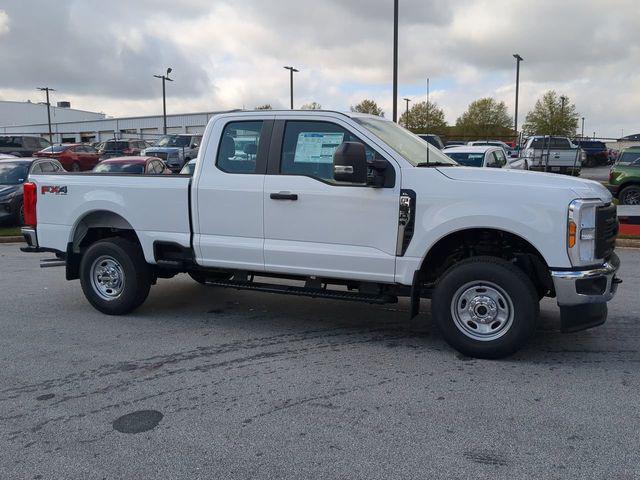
(161,206)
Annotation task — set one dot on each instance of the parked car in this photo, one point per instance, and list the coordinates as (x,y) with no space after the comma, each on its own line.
(432,139)
(624,177)
(483,156)
(553,154)
(454,143)
(176,150)
(189,167)
(22,145)
(495,143)
(596,152)
(14,172)
(120,148)
(146,165)
(74,157)
(341,200)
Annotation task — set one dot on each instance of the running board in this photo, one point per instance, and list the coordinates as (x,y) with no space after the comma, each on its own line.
(52,262)
(305,292)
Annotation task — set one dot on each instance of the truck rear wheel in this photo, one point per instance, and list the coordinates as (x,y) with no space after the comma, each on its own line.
(115,277)
(485,307)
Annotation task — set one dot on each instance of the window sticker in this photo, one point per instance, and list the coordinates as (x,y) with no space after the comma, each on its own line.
(317,147)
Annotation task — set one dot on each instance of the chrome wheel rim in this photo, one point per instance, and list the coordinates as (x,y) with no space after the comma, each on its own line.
(482,311)
(107,277)
(632,198)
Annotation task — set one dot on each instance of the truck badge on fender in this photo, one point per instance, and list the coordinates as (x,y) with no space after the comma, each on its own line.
(54,189)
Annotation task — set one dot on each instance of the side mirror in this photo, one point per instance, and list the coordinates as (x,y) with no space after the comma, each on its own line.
(350,163)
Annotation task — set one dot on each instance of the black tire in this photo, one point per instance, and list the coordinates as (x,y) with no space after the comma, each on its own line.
(630,195)
(202,277)
(136,275)
(516,294)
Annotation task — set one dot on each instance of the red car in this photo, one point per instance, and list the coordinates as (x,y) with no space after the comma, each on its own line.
(142,165)
(74,157)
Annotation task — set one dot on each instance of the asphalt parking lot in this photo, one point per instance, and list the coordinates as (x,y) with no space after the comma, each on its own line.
(600,173)
(226,384)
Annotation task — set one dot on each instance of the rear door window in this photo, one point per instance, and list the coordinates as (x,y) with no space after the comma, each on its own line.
(239,147)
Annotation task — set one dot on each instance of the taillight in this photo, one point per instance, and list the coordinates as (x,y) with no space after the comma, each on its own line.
(29,198)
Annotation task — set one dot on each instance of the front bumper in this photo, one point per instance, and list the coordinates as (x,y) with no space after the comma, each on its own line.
(582,295)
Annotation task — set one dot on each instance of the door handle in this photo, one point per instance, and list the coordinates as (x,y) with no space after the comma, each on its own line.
(284,196)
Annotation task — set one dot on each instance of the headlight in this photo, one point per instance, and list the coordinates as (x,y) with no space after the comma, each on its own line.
(581,232)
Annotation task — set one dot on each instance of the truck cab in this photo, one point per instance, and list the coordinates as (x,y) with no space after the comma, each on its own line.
(342,206)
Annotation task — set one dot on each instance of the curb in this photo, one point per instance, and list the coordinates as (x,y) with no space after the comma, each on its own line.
(628,242)
(11,239)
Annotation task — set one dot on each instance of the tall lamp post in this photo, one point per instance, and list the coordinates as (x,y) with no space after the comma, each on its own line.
(164,98)
(406,117)
(291,72)
(582,134)
(395,61)
(47,90)
(515,118)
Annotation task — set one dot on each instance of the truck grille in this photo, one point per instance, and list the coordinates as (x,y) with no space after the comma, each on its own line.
(606,231)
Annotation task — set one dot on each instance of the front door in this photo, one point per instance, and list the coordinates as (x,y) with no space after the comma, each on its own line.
(315,226)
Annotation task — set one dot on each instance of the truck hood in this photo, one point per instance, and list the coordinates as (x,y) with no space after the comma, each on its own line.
(538,180)
(163,149)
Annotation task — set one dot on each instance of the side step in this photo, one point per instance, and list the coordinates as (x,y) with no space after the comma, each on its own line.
(52,262)
(305,292)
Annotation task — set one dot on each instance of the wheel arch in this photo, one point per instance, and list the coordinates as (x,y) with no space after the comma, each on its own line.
(485,241)
(104,223)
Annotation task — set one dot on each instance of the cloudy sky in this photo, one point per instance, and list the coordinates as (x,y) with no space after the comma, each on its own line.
(101,54)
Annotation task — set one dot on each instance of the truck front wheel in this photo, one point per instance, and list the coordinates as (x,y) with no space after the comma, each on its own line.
(485,307)
(115,277)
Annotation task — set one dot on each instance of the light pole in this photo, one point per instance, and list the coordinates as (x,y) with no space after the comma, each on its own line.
(515,118)
(164,98)
(395,60)
(582,134)
(47,90)
(406,118)
(291,71)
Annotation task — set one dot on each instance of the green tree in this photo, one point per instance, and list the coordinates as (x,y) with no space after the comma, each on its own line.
(424,118)
(485,117)
(312,106)
(552,115)
(368,106)
(266,106)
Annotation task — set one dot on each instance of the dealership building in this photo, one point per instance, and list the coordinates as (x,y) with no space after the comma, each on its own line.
(73,125)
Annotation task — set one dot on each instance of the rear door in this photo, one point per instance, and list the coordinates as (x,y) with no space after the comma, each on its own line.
(315,226)
(228,213)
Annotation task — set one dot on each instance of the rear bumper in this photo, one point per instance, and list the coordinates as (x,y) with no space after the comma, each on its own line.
(582,295)
(557,169)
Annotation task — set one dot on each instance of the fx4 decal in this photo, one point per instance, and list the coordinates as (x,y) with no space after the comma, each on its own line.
(54,189)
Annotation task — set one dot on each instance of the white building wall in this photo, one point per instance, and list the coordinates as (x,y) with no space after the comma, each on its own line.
(26,113)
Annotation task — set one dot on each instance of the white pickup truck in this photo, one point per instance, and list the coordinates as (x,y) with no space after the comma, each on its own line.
(345,206)
(545,153)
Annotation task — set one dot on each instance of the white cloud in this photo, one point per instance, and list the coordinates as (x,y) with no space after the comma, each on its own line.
(4,22)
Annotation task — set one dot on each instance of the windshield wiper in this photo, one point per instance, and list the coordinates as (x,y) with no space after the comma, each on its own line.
(437,164)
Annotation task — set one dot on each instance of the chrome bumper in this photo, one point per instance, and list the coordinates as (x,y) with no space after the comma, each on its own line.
(30,236)
(582,287)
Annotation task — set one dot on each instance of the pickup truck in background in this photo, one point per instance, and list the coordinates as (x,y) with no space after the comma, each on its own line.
(553,154)
(175,150)
(596,152)
(344,206)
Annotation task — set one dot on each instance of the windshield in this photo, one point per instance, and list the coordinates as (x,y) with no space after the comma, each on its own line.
(115,145)
(629,157)
(13,173)
(173,141)
(467,159)
(411,147)
(119,168)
